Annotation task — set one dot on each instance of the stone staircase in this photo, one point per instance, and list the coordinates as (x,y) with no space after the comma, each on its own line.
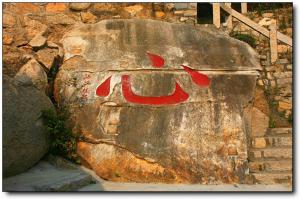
(271,157)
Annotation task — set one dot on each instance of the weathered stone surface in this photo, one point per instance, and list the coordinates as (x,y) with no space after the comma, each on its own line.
(260,123)
(159,14)
(60,18)
(34,28)
(38,41)
(23,8)
(88,17)
(278,152)
(33,73)
(8,20)
(79,6)
(25,139)
(259,143)
(283,105)
(133,10)
(7,39)
(46,57)
(191,141)
(104,8)
(56,7)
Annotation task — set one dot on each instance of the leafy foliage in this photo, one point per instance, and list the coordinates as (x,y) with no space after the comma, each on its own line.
(62,141)
(244,37)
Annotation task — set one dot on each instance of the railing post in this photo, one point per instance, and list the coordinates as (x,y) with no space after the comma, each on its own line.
(216,15)
(273,42)
(229,19)
(244,8)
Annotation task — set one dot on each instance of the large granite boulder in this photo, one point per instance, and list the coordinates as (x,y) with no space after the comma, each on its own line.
(159,102)
(25,139)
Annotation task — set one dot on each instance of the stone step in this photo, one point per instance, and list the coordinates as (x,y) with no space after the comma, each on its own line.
(270,165)
(272,141)
(271,152)
(278,131)
(46,177)
(273,177)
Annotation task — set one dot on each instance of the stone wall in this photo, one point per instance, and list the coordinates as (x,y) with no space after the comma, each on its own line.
(275,78)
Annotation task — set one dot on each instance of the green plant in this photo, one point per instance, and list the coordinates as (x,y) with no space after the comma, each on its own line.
(62,141)
(244,37)
(272,123)
(282,25)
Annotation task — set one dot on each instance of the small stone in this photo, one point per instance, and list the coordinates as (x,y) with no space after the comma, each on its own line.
(38,41)
(190,13)
(8,20)
(190,21)
(46,57)
(133,10)
(262,57)
(104,8)
(183,19)
(179,12)
(260,82)
(32,72)
(256,154)
(289,31)
(267,15)
(87,17)
(56,7)
(289,67)
(259,143)
(159,14)
(266,21)
(282,106)
(7,39)
(79,6)
(282,48)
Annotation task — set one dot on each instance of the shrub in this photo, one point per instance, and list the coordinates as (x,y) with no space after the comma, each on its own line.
(245,38)
(62,141)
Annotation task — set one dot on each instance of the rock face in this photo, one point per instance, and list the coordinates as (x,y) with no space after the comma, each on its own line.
(25,140)
(142,116)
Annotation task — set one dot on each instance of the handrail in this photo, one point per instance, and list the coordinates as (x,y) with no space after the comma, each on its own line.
(256,26)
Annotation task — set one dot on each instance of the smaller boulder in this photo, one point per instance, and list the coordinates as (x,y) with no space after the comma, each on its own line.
(25,139)
(38,42)
(46,57)
(33,73)
(88,17)
(79,6)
